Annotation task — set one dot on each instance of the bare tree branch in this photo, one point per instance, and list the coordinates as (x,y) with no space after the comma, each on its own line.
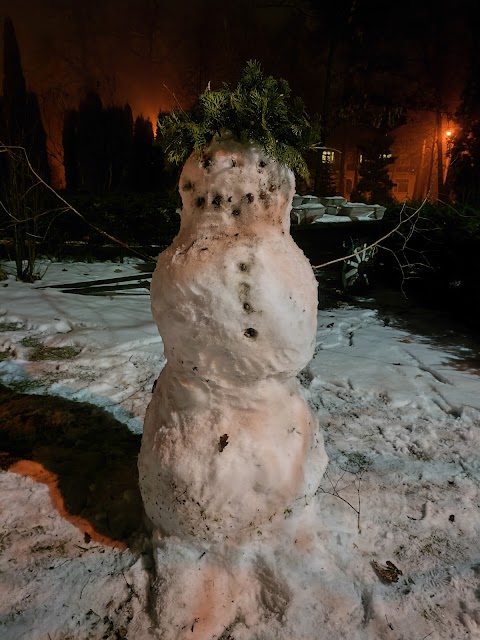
(69,207)
(377,242)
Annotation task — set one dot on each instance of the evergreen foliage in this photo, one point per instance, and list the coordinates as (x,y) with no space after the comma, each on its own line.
(105,151)
(325,180)
(20,121)
(464,171)
(14,87)
(23,135)
(91,143)
(99,146)
(259,109)
(70,149)
(444,255)
(375,185)
(140,219)
(118,128)
(142,154)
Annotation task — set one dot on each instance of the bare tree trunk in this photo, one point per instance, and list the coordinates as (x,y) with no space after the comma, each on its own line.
(431,161)
(419,189)
(356,164)
(23,203)
(341,172)
(440,173)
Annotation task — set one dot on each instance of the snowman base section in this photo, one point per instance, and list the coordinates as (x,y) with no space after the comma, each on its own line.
(288,582)
(220,471)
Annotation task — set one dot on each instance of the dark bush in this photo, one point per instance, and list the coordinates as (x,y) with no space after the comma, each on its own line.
(137,219)
(446,241)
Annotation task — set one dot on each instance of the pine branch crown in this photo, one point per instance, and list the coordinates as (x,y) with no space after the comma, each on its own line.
(259,109)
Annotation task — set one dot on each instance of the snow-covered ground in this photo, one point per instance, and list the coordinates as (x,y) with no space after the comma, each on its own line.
(401,420)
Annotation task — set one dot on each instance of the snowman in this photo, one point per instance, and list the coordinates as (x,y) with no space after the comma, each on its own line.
(229,443)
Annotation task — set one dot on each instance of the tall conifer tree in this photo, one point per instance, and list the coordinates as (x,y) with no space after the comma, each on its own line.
(464,171)
(70,149)
(21,126)
(142,154)
(91,143)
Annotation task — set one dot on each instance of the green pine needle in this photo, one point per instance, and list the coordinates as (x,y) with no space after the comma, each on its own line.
(259,109)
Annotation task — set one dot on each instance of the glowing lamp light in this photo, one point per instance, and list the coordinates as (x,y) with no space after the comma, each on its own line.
(448,133)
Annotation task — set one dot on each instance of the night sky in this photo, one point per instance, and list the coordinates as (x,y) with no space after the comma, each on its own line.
(155,54)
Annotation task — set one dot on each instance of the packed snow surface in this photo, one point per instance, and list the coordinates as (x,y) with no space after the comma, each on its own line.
(229,442)
(401,419)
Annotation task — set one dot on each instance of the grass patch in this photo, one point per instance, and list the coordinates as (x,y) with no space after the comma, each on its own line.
(4,355)
(29,342)
(25,386)
(10,326)
(357,462)
(41,352)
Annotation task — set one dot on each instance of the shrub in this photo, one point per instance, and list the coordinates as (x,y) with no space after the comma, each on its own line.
(134,218)
(447,241)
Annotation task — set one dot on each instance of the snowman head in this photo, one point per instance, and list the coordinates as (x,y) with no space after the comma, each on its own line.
(231,186)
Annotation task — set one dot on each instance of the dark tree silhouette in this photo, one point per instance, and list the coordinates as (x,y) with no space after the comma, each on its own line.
(23,136)
(464,173)
(118,131)
(14,87)
(91,143)
(375,186)
(21,122)
(70,150)
(97,144)
(324,179)
(141,170)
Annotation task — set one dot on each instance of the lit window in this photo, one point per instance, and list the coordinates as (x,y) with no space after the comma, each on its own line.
(328,157)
